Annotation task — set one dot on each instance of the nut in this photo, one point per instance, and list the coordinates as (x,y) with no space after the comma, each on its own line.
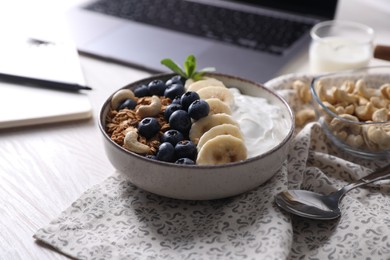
(131,142)
(348,86)
(385,90)
(354,140)
(337,124)
(379,136)
(341,135)
(363,90)
(303,116)
(380,115)
(343,96)
(323,94)
(365,112)
(120,96)
(379,102)
(302,90)
(153,109)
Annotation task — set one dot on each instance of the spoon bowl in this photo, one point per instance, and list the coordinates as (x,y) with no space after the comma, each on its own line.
(313,205)
(308,204)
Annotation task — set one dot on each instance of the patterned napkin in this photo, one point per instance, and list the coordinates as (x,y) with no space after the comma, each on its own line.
(116,220)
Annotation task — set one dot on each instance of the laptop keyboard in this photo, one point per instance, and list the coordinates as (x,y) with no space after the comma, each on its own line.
(253,31)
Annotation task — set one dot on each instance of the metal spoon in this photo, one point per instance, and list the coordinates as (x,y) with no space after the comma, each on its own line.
(316,206)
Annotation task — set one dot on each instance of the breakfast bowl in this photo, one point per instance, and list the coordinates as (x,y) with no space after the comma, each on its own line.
(205,181)
(353,109)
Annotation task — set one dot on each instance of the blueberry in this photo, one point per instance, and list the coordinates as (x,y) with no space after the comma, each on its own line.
(181,121)
(157,87)
(170,109)
(151,156)
(186,149)
(198,109)
(128,103)
(185,161)
(172,136)
(166,152)
(141,91)
(176,100)
(175,79)
(148,127)
(187,98)
(174,90)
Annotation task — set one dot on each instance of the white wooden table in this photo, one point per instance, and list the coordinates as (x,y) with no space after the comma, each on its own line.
(43,169)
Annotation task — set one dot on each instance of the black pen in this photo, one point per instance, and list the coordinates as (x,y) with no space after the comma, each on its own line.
(41,82)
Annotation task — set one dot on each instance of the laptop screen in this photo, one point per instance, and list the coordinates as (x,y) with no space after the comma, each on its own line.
(324,9)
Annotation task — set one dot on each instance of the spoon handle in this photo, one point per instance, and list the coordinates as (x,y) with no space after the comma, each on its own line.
(377,175)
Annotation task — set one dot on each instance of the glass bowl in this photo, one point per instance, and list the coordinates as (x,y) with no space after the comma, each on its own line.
(353,108)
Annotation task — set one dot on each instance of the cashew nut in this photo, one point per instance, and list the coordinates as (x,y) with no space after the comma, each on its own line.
(341,135)
(348,86)
(323,94)
(362,101)
(343,96)
(120,96)
(363,90)
(340,110)
(348,109)
(380,115)
(131,142)
(329,106)
(385,90)
(354,140)
(365,112)
(379,102)
(302,90)
(337,124)
(303,116)
(379,136)
(153,109)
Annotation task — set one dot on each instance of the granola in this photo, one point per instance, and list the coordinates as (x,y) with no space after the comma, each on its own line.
(118,121)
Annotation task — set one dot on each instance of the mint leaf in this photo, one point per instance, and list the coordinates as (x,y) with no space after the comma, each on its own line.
(189,71)
(174,67)
(190,65)
(198,75)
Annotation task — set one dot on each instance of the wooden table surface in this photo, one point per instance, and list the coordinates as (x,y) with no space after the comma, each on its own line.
(43,169)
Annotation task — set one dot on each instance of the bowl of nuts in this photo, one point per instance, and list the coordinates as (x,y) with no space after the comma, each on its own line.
(353,108)
(196,138)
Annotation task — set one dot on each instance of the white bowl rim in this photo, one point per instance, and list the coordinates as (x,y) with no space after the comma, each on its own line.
(162,163)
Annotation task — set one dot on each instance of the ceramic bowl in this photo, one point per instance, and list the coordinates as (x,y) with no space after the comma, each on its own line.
(195,182)
(353,109)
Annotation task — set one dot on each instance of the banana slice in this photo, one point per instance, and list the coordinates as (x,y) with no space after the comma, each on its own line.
(224,129)
(204,124)
(222,149)
(204,83)
(217,106)
(221,93)
(188,83)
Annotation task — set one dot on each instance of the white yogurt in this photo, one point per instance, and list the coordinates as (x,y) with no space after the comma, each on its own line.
(336,53)
(263,124)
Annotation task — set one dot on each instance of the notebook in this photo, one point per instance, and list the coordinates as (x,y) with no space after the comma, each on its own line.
(251,39)
(41,50)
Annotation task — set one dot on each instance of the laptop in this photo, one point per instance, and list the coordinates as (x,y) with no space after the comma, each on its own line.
(247,38)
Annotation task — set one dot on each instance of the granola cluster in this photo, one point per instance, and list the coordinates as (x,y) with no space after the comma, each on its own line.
(118,121)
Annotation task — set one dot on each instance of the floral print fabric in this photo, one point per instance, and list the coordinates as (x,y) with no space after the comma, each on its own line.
(116,220)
